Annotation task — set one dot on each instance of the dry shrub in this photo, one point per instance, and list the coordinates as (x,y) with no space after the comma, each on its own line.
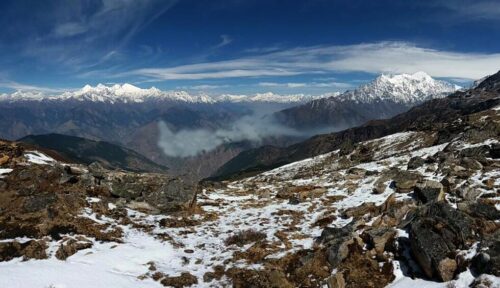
(245,237)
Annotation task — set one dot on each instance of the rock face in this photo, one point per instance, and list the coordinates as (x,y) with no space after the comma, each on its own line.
(436,232)
(167,194)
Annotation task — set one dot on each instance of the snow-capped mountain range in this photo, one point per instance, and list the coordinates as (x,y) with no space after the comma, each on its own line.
(384,97)
(402,88)
(127,93)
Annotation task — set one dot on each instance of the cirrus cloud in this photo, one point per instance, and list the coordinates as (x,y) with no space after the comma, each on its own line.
(379,57)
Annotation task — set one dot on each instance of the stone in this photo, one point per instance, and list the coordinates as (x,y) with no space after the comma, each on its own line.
(471,164)
(378,238)
(405,181)
(495,151)
(4,159)
(359,269)
(165,193)
(468,193)
(336,241)
(71,246)
(272,278)
(479,209)
(429,191)
(446,269)
(415,163)
(10,250)
(436,231)
(35,249)
(184,280)
(473,152)
(481,263)
(336,281)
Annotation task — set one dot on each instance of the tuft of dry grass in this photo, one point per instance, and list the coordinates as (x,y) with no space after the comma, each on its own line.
(244,237)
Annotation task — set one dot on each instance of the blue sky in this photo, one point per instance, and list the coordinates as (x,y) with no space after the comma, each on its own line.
(243,46)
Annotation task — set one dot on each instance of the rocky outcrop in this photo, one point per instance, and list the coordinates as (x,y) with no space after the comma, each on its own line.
(32,249)
(49,200)
(161,191)
(429,191)
(436,233)
(72,245)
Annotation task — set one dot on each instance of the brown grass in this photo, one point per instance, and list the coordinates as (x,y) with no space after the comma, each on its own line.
(245,237)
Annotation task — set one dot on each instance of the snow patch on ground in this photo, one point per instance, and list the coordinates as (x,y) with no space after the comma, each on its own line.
(36,157)
(4,171)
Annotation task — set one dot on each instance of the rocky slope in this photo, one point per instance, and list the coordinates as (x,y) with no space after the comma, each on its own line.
(81,150)
(384,97)
(412,208)
(433,115)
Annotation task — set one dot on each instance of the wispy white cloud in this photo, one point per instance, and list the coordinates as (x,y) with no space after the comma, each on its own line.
(471,10)
(287,85)
(26,87)
(306,85)
(380,57)
(224,41)
(69,29)
(84,34)
(202,87)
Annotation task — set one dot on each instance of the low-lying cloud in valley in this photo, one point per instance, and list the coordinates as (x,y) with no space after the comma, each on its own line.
(191,142)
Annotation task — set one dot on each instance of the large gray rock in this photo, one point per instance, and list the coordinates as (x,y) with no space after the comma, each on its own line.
(429,191)
(405,181)
(160,191)
(479,209)
(436,232)
(336,241)
(488,259)
(416,162)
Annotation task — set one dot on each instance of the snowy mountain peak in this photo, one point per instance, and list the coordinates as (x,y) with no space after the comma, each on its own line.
(128,93)
(402,88)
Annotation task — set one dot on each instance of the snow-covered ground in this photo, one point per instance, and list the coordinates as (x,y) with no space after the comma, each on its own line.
(246,204)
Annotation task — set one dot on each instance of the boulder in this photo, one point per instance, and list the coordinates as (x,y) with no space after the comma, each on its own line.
(446,269)
(186,279)
(4,159)
(161,191)
(336,241)
(378,238)
(71,246)
(415,163)
(468,193)
(405,181)
(495,151)
(479,209)
(437,231)
(296,194)
(336,281)
(33,249)
(487,260)
(429,191)
(471,164)
(474,152)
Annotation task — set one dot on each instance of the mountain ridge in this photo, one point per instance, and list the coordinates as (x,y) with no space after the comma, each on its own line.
(429,115)
(384,97)
(128,93)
